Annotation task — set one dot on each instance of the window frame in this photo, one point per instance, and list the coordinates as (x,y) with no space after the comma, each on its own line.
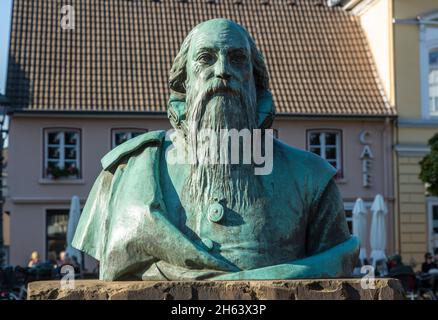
(428,42)
(46,132)
(431,114)
(124,129)
(431,202)
(53,210)
(349,206)
(339,147)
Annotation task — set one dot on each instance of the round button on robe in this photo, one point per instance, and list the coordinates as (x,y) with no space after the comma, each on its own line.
(207,243)
(215,212)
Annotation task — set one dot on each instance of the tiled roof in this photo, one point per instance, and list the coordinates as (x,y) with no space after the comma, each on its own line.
(118,57)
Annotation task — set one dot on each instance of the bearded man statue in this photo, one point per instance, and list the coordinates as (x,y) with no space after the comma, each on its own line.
(188,205)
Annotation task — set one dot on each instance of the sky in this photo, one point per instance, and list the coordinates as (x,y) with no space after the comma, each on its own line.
(5,23)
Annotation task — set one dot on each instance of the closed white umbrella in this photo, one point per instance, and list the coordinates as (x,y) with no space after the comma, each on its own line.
(73,220)
(378,229)
(360,227)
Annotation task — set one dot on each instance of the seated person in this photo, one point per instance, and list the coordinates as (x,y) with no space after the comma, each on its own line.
(428,263)
(34,259)
(398,267)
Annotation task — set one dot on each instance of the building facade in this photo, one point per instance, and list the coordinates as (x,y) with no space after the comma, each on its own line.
(403,36)
(416,88)
(77,93)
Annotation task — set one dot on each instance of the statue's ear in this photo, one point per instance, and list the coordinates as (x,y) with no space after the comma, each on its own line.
(176,110)
(265,110)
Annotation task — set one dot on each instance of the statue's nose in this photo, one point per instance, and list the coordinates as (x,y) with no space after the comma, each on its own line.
(222,69)
(224,76)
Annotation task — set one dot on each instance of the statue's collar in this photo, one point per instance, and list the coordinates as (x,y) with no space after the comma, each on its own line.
(151,137)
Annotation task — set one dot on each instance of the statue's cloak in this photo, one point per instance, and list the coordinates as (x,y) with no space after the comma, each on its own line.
(124,224)
(123,240)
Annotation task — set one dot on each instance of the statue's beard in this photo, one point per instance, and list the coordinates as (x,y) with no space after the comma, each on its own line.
(213,112)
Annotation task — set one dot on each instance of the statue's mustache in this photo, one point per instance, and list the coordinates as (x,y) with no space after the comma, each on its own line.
(219,87)
(233,108)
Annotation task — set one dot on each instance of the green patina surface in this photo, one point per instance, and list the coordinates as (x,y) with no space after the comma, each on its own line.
(140,224)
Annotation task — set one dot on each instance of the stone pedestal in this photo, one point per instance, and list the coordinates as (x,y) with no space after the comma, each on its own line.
(317,289)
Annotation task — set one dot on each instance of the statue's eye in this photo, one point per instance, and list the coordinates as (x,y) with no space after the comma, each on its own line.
(238,58)
(205,58)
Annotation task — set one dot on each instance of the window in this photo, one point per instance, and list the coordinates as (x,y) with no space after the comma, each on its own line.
(433,82)
(326,144)
(120,136)
(348,209)
(432,222)
(56,233)
(349,218)
(435,219)
(429,65)
(62,153)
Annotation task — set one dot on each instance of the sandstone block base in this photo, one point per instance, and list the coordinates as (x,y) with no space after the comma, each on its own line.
(315,289)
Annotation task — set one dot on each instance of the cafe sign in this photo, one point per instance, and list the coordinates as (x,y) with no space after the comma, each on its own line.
(366,157)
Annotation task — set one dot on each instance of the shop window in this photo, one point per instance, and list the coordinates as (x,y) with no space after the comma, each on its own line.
(433,223)
(435,219)
(56,232)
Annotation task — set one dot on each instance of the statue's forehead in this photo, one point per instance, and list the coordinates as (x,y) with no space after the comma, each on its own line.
(220,35)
